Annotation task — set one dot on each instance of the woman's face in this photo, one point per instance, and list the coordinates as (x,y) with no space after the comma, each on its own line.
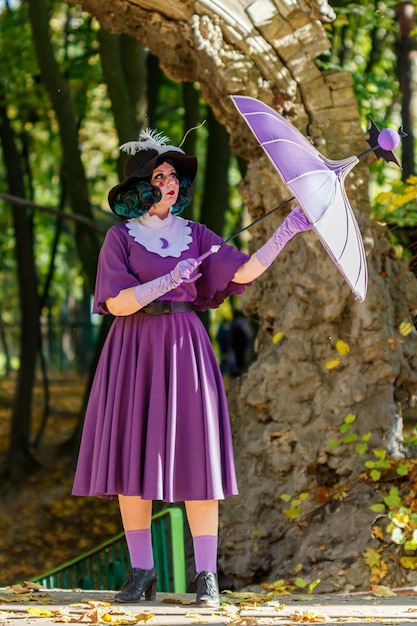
(165,178)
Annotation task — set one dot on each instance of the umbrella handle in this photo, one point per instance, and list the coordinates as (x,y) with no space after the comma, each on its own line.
(212,250)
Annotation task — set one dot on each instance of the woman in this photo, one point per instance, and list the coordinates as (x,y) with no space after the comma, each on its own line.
(157,424)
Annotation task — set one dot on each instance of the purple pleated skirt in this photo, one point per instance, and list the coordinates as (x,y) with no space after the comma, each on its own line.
(157,423)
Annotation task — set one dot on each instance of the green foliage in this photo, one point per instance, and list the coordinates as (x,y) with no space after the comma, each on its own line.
(74,37)
(297,503)
(398,205)
(363,39)
(300,583)
(402,519)
(345,429)
(395,481)
(396,521)
(296,507)
(381,463)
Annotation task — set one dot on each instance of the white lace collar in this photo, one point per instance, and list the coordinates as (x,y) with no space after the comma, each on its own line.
(168,237)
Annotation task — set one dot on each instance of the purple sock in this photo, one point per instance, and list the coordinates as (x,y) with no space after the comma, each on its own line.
(205,553)
(139,543)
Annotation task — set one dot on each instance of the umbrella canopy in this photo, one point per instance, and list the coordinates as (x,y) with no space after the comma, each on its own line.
(318,185)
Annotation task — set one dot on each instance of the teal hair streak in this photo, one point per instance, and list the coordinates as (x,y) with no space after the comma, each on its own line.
(137,201)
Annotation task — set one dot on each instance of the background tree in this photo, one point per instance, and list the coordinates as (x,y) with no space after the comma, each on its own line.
(406,55)
(376,42)
(20,460)
(61,97)
(124,63)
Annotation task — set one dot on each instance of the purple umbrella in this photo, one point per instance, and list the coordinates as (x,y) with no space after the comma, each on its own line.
(318,183)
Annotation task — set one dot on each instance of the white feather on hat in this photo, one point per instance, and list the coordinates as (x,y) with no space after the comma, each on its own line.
(149,139)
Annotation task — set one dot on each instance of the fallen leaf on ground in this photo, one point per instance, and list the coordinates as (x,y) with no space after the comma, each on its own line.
(306,616)
(177,601)
(39,612)
(383,592)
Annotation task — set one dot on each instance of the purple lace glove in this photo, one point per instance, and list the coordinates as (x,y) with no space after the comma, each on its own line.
(296,222)
(150,291)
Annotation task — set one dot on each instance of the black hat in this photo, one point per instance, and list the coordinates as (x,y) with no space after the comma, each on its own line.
(146,153)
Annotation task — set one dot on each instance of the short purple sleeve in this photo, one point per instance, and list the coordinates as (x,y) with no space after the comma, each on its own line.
(216,283)
(113,273)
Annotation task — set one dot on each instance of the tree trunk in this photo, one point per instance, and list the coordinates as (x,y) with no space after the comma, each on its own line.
(406,55)
(73,170)
(123,60)
(216,180)
(19,459)
(191,99)
(215,200)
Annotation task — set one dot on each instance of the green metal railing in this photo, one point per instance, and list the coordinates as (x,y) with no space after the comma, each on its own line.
(105,567)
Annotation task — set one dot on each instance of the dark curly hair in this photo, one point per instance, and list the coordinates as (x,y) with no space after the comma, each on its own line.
(141,197)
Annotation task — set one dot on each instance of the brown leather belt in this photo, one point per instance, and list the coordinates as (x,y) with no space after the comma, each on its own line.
(162,308)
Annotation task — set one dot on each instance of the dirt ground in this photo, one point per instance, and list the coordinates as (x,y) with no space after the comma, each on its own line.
(41,524)
(94,607)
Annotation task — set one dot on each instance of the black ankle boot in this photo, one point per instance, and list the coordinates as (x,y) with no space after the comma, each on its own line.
(140,581)
(207,590)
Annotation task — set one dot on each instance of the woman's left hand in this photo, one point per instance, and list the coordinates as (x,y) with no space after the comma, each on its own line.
(183,270)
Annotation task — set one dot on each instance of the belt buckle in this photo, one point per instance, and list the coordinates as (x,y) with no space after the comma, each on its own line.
(166,307)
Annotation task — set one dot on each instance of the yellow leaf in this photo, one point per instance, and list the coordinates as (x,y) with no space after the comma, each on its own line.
(332,364)
(377,532)
(372,557)
(33,586)
(275,585)
(384,196)
(307,616)
(313,585)
(177,601)
(39,612)
(278,336)
(293,512)
(409,562)
(350,418)
(342,347)
(241,595)
(383,592)
(126,620)
(401,520)
(405,328)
